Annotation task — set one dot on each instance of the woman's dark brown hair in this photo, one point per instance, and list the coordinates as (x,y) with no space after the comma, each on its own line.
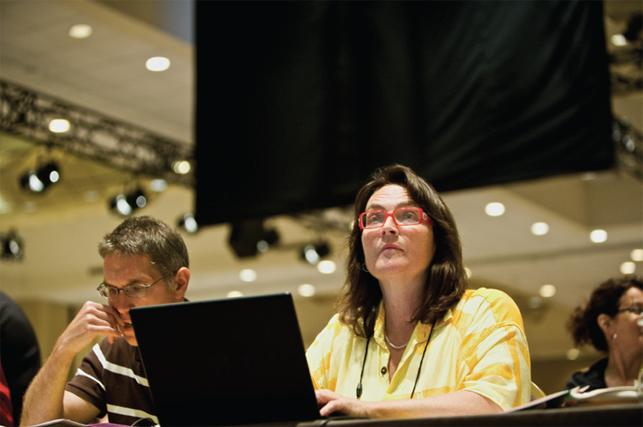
(583,323)
(446,279)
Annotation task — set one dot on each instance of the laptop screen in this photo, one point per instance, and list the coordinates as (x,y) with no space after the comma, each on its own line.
(225,362)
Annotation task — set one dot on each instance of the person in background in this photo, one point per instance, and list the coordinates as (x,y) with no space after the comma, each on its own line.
(19,351)
(145,262)
(6,416)
(409,339)
(611,321)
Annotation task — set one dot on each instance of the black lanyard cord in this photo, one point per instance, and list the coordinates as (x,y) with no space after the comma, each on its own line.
(359,389)
(417,376)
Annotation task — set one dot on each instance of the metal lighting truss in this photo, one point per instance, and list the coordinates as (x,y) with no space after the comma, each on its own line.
(26,113)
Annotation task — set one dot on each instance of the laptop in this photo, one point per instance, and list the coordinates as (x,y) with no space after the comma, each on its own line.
(226,362)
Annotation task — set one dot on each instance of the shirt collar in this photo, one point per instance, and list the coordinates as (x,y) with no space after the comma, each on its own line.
(420,333)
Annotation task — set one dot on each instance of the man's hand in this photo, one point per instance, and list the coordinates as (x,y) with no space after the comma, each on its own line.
(44,397)
(330,402)
(92,320)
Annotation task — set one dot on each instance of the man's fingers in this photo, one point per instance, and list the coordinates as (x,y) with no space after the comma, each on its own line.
(115,315)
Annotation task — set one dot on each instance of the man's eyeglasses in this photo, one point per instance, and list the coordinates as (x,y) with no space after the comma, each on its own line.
(636,309)
(406,215)
(135,290)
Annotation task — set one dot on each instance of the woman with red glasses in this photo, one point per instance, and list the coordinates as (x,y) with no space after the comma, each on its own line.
(409,340)
(611,321)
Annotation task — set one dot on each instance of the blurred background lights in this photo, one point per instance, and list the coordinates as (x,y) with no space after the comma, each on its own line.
(120,205)
(598,235)
(573,353)
(158,185)
(181,167)
(248,275)
(33,183)
(637,255)
(628,267)
(157,63)
(80,31)
(306,290)
(326,266)
(235,294)
(535,302)
(312,253)
(59,125)
(539,228)
(494,209)
(547,290)
(11,246)
(619,40)
(40,179)
(188,223)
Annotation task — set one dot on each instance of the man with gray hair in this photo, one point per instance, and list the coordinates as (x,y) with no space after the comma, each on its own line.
(145,262)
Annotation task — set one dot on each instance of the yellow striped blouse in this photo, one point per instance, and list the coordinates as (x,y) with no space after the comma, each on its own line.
(479,346)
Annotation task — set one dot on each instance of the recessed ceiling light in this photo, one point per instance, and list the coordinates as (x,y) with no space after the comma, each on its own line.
(306,290)
(628,267)
(535,302)
(573,353)
(326,266)
(547,291)
(59,125)
(619,40)
(494,209)
(181,167)
(157,63)
(637,255)
(235,294)
(598,235)
(80,31)
(247,275)
(158,185)
(539,228)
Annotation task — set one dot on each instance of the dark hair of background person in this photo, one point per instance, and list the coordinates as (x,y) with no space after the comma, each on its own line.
(446,279)
(19,351)
(583,323)
(144,235)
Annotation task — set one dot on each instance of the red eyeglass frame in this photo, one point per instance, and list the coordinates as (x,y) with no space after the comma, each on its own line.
(425,217)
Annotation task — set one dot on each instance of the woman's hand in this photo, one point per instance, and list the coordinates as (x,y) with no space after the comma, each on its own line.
(330,402)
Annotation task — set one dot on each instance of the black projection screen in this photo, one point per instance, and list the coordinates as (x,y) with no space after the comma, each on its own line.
(298,102)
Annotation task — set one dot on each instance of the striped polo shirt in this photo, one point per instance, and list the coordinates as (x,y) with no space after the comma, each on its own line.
(112,378)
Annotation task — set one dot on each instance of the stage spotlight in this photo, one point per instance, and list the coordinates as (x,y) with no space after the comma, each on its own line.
(12,246)
(29,182)
(312,253)
(137,198)
(126,204)
(119,204)
(634,28)
(249,237)
(188,223)
(42,178)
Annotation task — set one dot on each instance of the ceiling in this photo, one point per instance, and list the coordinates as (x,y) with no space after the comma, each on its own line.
(106,73)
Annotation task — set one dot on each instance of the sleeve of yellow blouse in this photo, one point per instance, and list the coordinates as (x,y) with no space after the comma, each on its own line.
(495,351)
(319,354)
